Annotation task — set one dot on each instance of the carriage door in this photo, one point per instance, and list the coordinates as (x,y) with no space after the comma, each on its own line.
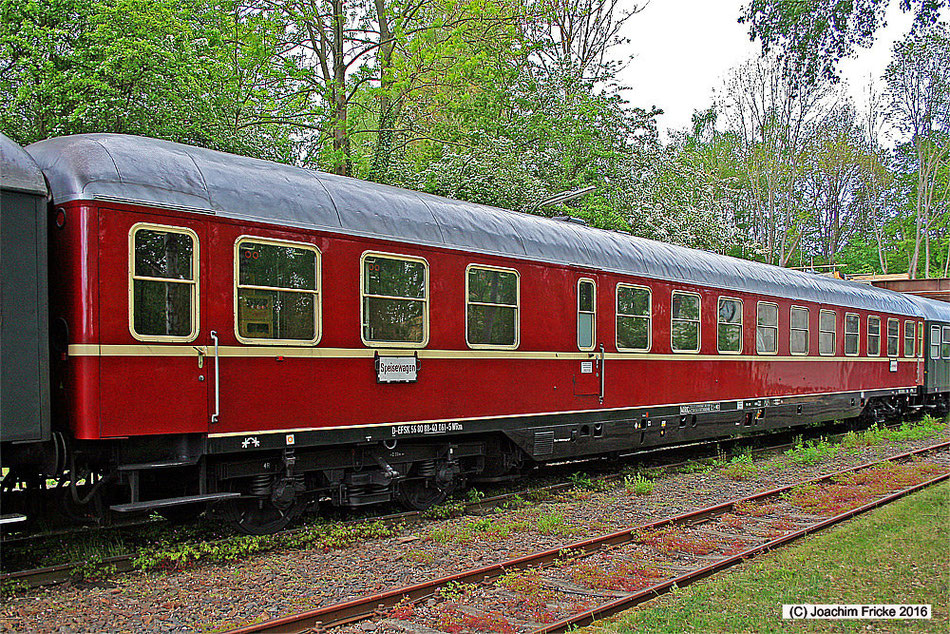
(159,383)
(587,375)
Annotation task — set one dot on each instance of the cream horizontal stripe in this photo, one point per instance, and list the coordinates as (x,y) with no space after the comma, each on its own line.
(573,411)
(304,352)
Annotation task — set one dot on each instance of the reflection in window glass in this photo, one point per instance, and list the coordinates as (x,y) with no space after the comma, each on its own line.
(277,291)
(729,334)
(909,342)
(798,330)
(893,337)
(394,299)
(685,322)
(946,342)
(634,318)
(164,283)
(935,342)
(874,336)
(766,328)
(586,314)
(827,332)
(852,333)
(492,307)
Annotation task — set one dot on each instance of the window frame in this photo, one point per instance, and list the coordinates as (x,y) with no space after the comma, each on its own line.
(945,342)
(877,352)
(934,341)
(318,291)
(593,314)
(897,354)
(807,330)
(517,307)
(698,321)
(195,282)
(857,334)
(758,308)
(912,328)
(834,349)
(649,317)
(920,339)
(425,313)
(741,324)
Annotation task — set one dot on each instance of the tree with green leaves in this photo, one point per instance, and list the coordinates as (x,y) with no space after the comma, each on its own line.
(918,81)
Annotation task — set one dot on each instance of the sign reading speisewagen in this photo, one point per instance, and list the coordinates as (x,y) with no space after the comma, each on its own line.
(397,369)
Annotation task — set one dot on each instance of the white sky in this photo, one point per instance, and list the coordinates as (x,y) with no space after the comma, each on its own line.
(682,49)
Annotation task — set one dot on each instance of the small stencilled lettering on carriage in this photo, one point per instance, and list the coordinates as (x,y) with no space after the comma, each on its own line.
(777,401)
(250,441)
(290,439)
(739,405)
(699,408)
(426,428)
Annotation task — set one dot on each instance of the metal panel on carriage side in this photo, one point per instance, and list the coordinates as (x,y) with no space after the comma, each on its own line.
(937,371)
(24,340)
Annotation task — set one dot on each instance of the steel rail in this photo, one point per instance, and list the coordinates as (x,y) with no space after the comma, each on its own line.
(369,606)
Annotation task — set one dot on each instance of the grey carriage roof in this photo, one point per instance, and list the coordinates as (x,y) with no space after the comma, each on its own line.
(18,171)
(154,172)
(931,309)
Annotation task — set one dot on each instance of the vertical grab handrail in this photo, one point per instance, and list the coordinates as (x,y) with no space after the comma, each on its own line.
(603,358)
(217,381)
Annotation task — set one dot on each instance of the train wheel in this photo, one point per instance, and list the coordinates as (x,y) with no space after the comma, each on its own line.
(421,494)
(259,516)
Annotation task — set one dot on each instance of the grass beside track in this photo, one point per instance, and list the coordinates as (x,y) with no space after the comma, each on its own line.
(897,554)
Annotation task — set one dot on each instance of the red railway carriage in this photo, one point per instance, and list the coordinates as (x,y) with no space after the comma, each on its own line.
(258,335)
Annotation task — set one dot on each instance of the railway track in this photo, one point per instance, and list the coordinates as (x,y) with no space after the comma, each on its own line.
(575,584)
(62,573)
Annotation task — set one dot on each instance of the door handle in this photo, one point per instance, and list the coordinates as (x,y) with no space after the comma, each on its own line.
(217,380)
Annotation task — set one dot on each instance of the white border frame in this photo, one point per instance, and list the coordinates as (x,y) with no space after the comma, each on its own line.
(933,339)
(913,330)
(593,334)
(857,353)
(807,330)
(868,345)
(195,283)
(834,349)
(318,291)
(741,325)
(778,320)
(900,340)
(699,323)
(425,301)
(649,318)
(517,307)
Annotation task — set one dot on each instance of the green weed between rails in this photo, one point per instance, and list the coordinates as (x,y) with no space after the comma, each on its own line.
(927,427)
(583,482)
(480,528)
(637,485)
(811,452)
(741,467)
(445,511)
(180,556)
(551,523)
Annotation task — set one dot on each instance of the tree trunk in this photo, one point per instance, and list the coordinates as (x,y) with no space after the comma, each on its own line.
(342,162)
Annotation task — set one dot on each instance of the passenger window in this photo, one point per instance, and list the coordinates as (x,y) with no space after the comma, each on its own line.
(874,336)
(277,292)
(586,314)
(935,342)
(909,329)
(729,334)
(634,318)
(852,334)
(946,342)
(920,339)
(395,304)
(827,332)
(798,330)
(893,337)
(684,322)
(492,307)
(766,328)
(164,283)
